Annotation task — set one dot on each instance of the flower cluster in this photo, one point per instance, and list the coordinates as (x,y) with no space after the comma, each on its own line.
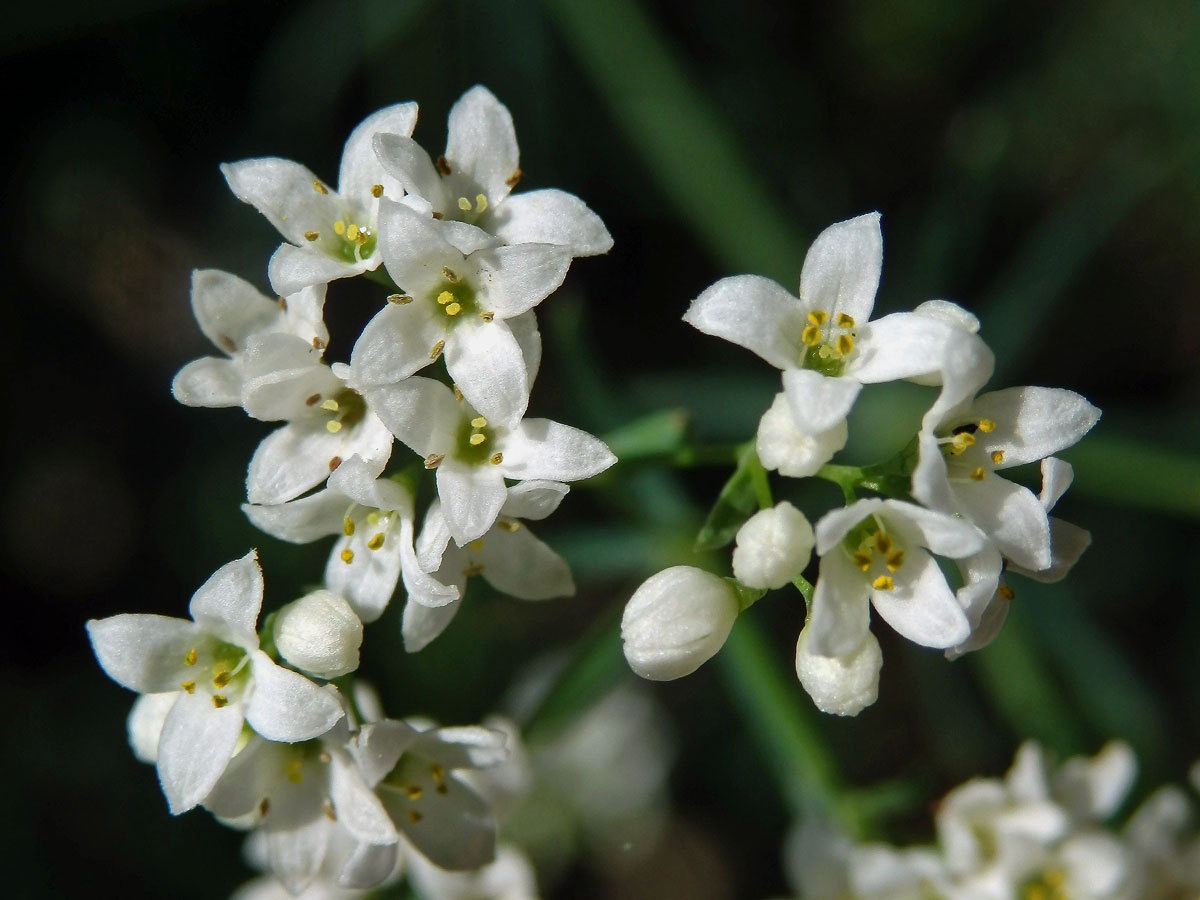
(245,719)
(943,497)
(1038,833)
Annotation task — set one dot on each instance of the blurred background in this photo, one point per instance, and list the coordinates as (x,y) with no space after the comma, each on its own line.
(1038,164)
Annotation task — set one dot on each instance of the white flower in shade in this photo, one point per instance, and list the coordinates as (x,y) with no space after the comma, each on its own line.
(822,341)
(233,314)
(219,675)
(509,877)
(509,557)
(471,183)
(457,301)
(783,447)
(962,450)
(880,550)
(319,634)
(327,422)
(331,233)
(842,685)
(772,547)
(473,455)
(144,724)
(413,773)
(374,520)
(676,621)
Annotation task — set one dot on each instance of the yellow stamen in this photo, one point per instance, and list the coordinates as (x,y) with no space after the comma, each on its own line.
(882,542)
(449,275)
(997,456)
(348,526)
(352,232)
(376,542)
(487,316)
(293,771)
(458,395)
(339,228)
(319,188)
(862,560)
(377,190)
(811,335)
(221,679)
(188,686)
(476,544)
(331,405)
(436,350)
(883,583)
(986,425)
(479,422)
(961,442)
(481,203)
(311,235)
(1005,591)
(464,204)
(453,309)
(476,439)
(437,772)
(817,318)
(189,658)
(844,344)
(845,321)
(433,460)
(977,474)
(496,459)
(894,560)
(509,525)
(445,297)
(347,556)
(219,701)
(399,299)
(414,791)
(333,427)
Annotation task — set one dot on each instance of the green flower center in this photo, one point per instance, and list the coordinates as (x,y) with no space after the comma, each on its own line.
(828,341)
(874,552)
(216,668)
(344,410)
(475,443)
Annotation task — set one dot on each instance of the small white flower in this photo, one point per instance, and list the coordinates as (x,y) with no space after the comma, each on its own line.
(471,183)
(219,675)
(473,455)
(772,547)
(783,447)
(233,315)
(841,685)
(509,877)
(332,233)
(676,620)
(319,634)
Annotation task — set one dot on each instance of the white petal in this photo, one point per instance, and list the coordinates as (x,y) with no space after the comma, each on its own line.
(525,329)
(752,312)
(772,547)
(368,866)
(298,456)
(229,309)
(841,685)
(941,533)
(840,614)
(1011,516)
(361,483)
(533,500)
(360,168)
(209,382)
(379,747)
(414,249)
(1094,788)
(471,498)
(905,345)
(930,483)
(422,587)
(950,313)
(369,580)
(1067,543)
(145,723)
(285,706)
(922,607)
(550,217)
(1034,422)
(485,361)
(516,279)
(482,142)
(455,831)
(395,344)
(358,809)
(463,746)
(424,623)
(408,163)
(836,524)
(1057,475)
(143,652)
(431,543)
(421,412)
(229,602)
(293,269)
(841,270)
(301,521)
(518,564)
(296,855)
(282,191)
(783,447)
(818,402)
(282,373)
(542,449)
(196,745)
(319,634)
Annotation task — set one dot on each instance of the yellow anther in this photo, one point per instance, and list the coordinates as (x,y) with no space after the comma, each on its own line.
(509,525)
(318,344)
(188,686)
(399,299)
(334,462)
(348,526)
(480,203)
(862,560)
(352,232)
(883,583)
(347,556)
(1005,591)
(339,228)
(433,460)
(464,204)
(221,679)
(977,474)
(445,297)
(844,344)
(479,422)
(219,701)
(487,316)
(894,560)
(997,456)
(375,542)
(476,545)
(476,439)
(473,569)
(414,816)
(436,350)
(311,235)
(453,309)
(458,395)
(373,517)
(293,771)
(986,425)
(811,335)
(817,317)
(330,404)
(377,190)
(414,791)
(496,459)
(333,427)
(189,658)
(319,188)
(845,321)
(436,772)
(882,542)
(449,275)
(512,179)
(961,442)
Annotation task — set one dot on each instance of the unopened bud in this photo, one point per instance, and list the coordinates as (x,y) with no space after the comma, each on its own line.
(773,547)
(676,620)
(842,685)
(783,447)
(319,634)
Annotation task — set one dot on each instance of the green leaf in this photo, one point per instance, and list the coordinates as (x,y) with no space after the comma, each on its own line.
(739,499)
(657,434)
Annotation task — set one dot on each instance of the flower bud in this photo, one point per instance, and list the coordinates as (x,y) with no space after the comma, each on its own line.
(783,447)
(773,547)
(676,620)
(842,685)
(320,634)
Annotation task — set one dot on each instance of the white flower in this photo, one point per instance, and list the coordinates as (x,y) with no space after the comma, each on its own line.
(233,315)
(823,342)
(783,447)
(458,301)
(772,547)
(880,550)
(509,557)
(332,233)
(509,877)
(374,520)
(676,620)
(327,422)
(471,183)
(219,675)
(473,455)
(962,449)
(841,685)
(319,634)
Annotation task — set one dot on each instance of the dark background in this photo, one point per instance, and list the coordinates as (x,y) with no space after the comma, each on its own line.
(1038,164)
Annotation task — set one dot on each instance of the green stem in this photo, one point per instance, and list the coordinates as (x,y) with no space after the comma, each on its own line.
(758,477)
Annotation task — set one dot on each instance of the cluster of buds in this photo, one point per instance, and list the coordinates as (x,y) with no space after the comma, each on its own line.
(943,496)
(246,720)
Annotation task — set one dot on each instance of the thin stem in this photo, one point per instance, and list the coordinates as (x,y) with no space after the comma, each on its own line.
(758,478)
